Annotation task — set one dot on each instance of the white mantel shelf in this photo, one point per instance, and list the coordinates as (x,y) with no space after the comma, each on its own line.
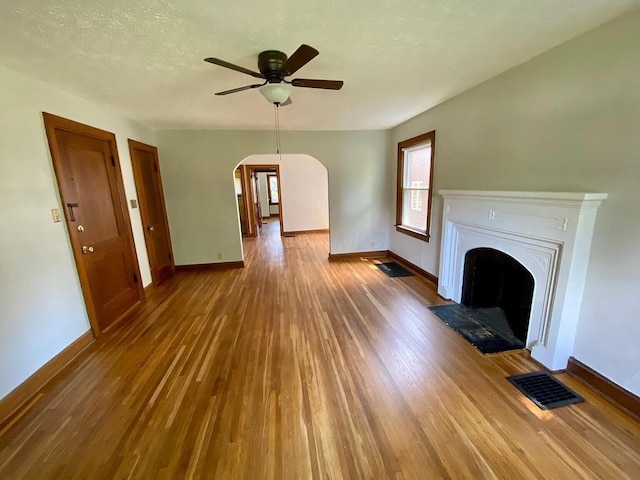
(549,233)
(568,198)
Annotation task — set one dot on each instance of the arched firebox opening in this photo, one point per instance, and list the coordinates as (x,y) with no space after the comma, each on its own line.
(502,287)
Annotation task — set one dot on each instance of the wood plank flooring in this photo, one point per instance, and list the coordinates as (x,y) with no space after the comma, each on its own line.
(297,368)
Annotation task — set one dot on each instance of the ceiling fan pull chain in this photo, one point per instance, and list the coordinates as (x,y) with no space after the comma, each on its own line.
(277,129)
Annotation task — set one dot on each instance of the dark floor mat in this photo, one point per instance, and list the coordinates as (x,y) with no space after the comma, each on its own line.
(544,390)
(392,269)
(468,323)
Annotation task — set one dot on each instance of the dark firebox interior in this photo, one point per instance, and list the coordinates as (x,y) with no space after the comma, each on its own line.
(494,280)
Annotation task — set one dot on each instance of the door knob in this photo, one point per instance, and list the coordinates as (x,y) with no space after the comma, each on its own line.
(80,228)
(86,249)
(151,228)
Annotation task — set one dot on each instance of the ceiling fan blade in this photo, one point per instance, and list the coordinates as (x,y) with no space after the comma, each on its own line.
(310,83)
(240,89)
(303,55)
(237,68)
(286,102)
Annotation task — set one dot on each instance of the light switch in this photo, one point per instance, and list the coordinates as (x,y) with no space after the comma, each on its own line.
(55,213)
(134,203)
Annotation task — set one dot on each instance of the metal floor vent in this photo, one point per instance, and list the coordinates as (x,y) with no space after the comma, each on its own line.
(393,269)
(544,390)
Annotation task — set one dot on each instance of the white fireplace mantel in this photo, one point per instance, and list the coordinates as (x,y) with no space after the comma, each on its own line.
(549,233)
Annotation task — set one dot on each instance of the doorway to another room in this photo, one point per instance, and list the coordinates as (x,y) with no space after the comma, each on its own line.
(292,188)
(259,200)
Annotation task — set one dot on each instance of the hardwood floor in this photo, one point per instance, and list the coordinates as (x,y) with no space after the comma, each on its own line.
(297,368)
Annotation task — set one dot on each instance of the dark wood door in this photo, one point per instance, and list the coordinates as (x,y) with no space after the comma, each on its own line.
(246,180)
(256,198)
(88,174)
(146,171)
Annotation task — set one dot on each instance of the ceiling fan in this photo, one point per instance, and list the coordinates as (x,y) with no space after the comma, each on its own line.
(274,66)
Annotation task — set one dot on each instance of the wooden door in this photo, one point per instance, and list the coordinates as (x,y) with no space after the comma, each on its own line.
(146,172)
(238,176)
(256,199)
(247,200)
(87,169)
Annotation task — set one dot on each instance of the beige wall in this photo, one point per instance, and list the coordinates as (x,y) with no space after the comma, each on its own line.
(197,171)
(41,305)
(567,120)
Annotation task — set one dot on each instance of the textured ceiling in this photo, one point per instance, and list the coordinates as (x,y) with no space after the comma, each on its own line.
(397,58)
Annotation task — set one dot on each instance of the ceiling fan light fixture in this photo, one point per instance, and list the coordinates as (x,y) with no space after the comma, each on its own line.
(276,93)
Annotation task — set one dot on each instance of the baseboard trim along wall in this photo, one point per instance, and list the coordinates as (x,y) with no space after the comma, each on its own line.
(148,289)
(604,386)
(406,263)
(348,256)
(386,253)
(20,399)
(199,267)
(296,232)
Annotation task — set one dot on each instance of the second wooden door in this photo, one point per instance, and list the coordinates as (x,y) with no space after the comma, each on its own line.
(146,171)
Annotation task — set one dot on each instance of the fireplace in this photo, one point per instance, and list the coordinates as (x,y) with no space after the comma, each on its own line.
(494,280)
(542,238)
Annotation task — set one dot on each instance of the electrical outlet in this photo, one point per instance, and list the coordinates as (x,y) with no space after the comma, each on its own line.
(220,256)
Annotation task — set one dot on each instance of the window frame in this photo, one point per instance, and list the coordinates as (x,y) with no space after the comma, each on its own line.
(269,188)
(429,137)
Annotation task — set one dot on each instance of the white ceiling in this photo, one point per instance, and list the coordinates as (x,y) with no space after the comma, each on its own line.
(397,58)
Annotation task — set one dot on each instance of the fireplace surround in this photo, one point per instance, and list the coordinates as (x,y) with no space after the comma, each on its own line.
(548,233)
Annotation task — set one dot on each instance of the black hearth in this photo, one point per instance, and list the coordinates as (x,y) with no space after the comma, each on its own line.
(500,288)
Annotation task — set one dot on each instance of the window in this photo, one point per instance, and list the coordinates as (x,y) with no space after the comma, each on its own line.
(272,184)
(415,181)
(416,198)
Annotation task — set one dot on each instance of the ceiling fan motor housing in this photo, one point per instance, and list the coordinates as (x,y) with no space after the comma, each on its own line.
(270,64)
